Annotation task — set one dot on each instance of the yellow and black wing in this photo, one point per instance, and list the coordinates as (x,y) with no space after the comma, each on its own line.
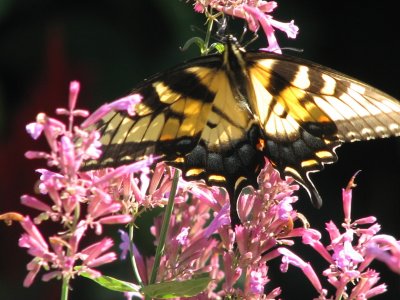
(217,117)
(190,116)
(307,110)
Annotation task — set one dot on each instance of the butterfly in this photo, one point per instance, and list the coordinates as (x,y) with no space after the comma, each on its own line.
(217,117)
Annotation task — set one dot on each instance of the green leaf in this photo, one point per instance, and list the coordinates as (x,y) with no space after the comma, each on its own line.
(112,283)
(194,40)
(172,289)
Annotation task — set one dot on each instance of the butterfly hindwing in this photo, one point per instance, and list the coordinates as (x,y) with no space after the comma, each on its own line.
(315,94)
(307,110)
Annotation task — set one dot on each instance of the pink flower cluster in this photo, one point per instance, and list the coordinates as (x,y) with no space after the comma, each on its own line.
(77,201)
(200,238)
(256,13)
(350,253)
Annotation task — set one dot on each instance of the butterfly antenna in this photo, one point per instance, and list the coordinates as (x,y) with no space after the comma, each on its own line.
(222,27)
(195,28)
(252,40)
(244,32)
(297,50)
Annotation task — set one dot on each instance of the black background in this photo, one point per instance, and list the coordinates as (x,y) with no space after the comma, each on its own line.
(111,45)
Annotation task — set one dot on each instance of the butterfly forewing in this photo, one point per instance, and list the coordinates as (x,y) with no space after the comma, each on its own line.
(169,120)
(191,117)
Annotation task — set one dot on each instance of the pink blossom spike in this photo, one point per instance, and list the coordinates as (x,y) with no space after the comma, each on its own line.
(116,219)
(346,196)
(36,155)
(81,113)
(34,130)
(222,219)
(333,231)
(74,88)
(245,206)
(77,236)
(126,169)
(144,180)
(375,291)
(267,6)
(182,237)
(267,27)
(198,8)
(258,279)
(33,233)
(274,294)
(392,261)
(126,103)
(94,250)
(255,13)
(67,156)
(35,203)
(366,220)
(290,258)
(289,28)
(101,260)
(33,268)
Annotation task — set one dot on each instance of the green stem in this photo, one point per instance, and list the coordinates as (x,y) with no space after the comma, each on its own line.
(77,214)
(164,228)
(65,288)
(65,282)
(133,261)
(210,24)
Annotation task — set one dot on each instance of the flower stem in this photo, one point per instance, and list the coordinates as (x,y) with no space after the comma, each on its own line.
(65,288)
(210,24)
(133,261)
(164,228)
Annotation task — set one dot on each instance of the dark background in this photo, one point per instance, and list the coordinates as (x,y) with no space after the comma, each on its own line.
(111,45)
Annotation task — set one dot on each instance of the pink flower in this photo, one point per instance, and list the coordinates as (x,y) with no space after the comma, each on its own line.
(125,245)
(182,237)
(93,255)
(125,170)
(258,279)
(33,239)
(74,88)
(35,203)
(80,201)
(199,238)
(127,104)
(34,130)
(104,210)
(255,13)
(291,258)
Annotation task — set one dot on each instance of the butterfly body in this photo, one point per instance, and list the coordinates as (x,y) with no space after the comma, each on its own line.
(217,117)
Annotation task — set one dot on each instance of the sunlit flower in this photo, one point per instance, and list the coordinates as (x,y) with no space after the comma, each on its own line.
(71,193)
(127,104)
(256,14)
